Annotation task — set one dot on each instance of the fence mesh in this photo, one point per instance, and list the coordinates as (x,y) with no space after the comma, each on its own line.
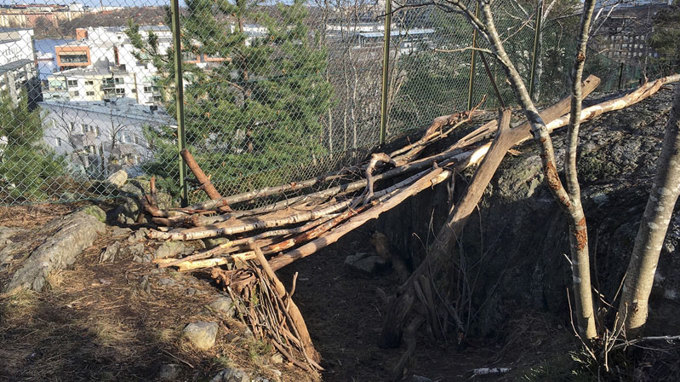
(273,92)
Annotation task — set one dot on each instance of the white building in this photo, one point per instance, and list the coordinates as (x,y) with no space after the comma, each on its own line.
(102,64)
(102,136)
(17,64)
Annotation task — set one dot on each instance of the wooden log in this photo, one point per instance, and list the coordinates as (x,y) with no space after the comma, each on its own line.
(434,177)
(231,228)
(562,107)
(203,179)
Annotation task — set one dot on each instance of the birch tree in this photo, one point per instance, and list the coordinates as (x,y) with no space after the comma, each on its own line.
(639,279)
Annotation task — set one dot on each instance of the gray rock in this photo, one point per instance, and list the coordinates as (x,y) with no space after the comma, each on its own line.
(6,233)
(170,249)
(138,235)
(224,305)
(201,334)
(167,282)
(418,378)
(190,291)
(231,375)
(132,193)
(144,285)
(118,178)
(72,234)
(136,250)
(120,232)
(109,253)
(365,263)
(169,372)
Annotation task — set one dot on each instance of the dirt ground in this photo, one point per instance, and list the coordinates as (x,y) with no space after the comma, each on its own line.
(123,320)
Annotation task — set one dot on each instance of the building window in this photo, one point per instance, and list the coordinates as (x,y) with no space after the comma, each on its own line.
(75,93)
(90,94)
(119,81)
(59,142)
(91,149)
(72,126)
(72,83)
(120,91)
(90,129)
(136,139)
(89,82)
(147,89)
(73,59)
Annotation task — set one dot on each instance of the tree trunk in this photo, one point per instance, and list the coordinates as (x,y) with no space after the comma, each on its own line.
(633,308)
(578,228)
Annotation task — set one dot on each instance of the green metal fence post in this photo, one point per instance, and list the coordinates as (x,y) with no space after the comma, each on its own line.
(620,76)
(179,99)
(386,70)
(537,33)
(471,81)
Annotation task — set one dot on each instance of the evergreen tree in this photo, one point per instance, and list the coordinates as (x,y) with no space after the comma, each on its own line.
(27,167)
(258,103)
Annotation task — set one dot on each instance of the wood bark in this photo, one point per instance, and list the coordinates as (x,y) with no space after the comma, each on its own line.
(434,177)
(203,179)
(578,228)
(251,224)
(639,279)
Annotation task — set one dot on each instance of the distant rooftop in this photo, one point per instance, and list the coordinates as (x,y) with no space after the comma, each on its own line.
(98,69)
(119,107)
(398,33)
(14,65)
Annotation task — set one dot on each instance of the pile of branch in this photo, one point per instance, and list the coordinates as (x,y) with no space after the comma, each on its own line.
(315,213)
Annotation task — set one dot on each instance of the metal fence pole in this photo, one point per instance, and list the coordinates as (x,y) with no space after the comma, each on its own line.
(471,81)
(620,76)
(385,70)
(179,99)
(537,33)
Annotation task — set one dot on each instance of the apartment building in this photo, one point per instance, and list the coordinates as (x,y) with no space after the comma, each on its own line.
(101,64)
(18,64)
(99,137)
(624,36)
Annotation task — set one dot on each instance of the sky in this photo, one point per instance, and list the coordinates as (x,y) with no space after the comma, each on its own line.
(92,3)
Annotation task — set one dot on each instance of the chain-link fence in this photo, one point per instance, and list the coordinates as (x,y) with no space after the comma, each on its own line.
(269,92)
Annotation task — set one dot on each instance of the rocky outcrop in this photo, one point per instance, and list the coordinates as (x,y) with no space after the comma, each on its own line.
(69,236)
(129,206)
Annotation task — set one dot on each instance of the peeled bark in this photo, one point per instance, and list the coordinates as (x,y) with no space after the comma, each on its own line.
(633,308)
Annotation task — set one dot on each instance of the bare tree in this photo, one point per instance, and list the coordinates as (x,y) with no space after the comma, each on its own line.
(578,228)
(639,279)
